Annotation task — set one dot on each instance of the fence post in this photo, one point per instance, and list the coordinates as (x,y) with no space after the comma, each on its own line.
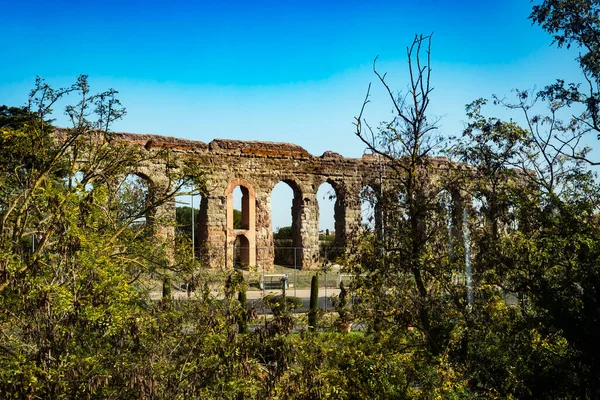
(325,290)
(263,278)
(295,269)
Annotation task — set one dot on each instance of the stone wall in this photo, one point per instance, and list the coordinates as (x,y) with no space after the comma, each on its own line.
(258,167)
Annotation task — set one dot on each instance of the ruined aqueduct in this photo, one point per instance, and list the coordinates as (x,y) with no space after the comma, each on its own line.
(257,167)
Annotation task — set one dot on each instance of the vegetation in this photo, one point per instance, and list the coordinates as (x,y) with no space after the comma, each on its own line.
(243,318)
(283,233)
(237,219)
(285,253)
(183,216)
(483,285)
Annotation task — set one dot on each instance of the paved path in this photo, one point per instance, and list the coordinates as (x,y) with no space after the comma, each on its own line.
(255,295)
(302,293)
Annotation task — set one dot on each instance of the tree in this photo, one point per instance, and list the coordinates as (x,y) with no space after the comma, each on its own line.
(77,256)
(284,233)
(237,219)
(536,198)
(549,261)
(184,219)
(404,255)
(72,257)
(575,22)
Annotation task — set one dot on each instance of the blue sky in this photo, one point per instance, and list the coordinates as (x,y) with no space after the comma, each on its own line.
(273,70)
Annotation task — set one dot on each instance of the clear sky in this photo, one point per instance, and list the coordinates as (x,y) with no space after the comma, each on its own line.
(290,71)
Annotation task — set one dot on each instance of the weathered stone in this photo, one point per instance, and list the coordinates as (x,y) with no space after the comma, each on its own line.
(257,167)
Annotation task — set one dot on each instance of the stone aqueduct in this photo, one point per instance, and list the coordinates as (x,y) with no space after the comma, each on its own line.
(257,167)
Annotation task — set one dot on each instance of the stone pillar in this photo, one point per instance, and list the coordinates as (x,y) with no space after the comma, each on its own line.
(353,220)
(201,229)
(309,231)
(265,252)
(339,214)
(163,219)
(297,206)
(460,201)
(216,231)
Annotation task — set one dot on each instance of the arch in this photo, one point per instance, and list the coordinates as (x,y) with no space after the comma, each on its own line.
(287,250)
(136,191)
(369,207)
(248,229)
(248,203)
(371,197)
(191,213)
(339,217)
(263,162)
(241,251)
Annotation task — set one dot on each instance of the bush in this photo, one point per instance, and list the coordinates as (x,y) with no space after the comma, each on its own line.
(278,306)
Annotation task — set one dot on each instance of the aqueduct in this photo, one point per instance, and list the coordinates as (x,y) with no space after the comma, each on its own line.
(256,167)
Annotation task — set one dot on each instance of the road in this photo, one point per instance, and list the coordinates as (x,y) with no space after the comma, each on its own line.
(254,295)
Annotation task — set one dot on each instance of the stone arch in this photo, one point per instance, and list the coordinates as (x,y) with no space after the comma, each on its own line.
(297,241)
(159,219)
(296,212)
(339,211)
(370,217)
(195,197)
(131,187)
(248,230)
(371,193)
(262,163)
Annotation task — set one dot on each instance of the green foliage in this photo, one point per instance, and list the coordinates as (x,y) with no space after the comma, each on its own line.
(330,365)
(184,220)
(575,22)
(74,311)
(400,270)
(284,251)
(537,244)
(16,117)
(341,305)
(79,242)
(532,246)
(243,317)
(280,304)
(237,219)
(166,287)
(326,238)
(285,232)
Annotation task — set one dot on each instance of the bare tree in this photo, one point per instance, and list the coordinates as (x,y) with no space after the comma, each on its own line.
(409,202)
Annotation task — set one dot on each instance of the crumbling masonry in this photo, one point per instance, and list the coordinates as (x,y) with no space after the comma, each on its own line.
(257,167)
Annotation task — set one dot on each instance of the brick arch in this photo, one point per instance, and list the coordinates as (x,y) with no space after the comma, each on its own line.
(241,253)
